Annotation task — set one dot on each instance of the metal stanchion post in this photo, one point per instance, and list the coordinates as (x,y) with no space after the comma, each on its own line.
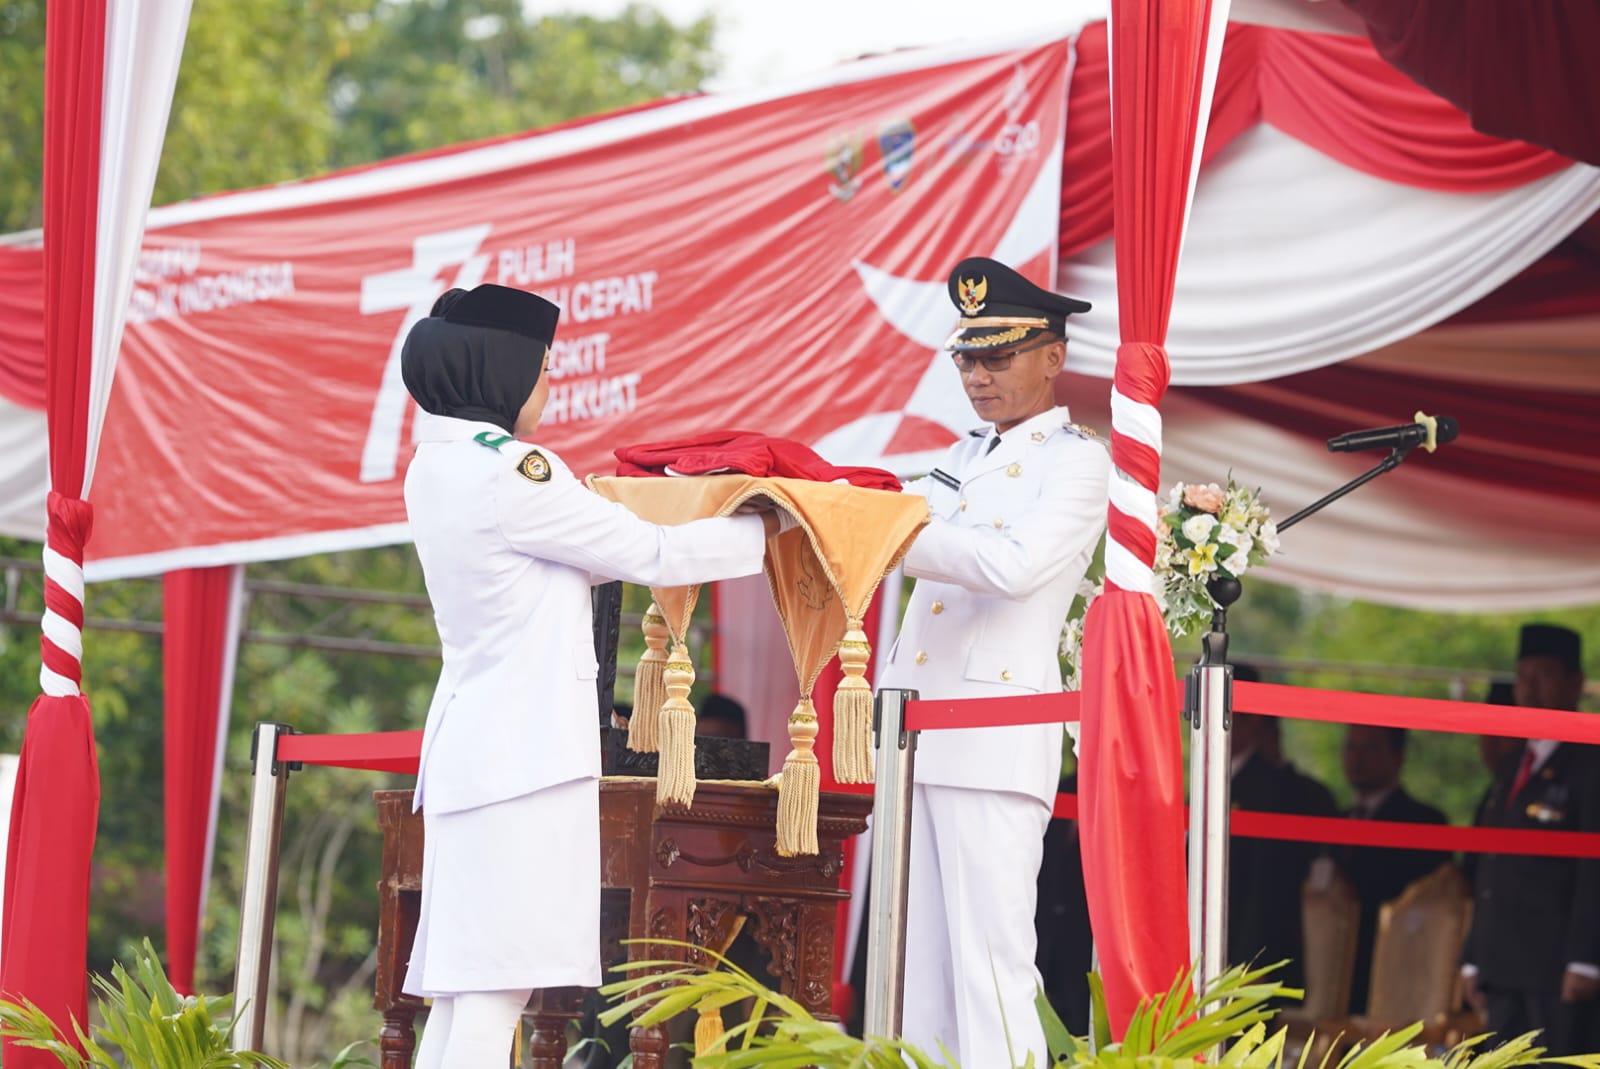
(891,864)
(1209,711)
(259,902)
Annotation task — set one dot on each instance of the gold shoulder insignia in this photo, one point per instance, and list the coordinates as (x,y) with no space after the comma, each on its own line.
(1082,431)
(534,467)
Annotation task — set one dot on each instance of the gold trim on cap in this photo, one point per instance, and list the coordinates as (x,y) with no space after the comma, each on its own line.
(1004,321)
(1005,337)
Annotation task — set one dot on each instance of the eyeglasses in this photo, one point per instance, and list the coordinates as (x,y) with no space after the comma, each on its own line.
(994,363)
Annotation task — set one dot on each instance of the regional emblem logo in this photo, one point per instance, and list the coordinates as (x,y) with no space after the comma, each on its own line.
(844,160)
(895,143)
(971,293)
(534,467)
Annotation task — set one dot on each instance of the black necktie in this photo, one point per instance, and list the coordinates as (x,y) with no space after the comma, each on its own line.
(992,443)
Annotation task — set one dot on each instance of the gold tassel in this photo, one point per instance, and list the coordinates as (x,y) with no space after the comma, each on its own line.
(708,1031)
(675,771)
(800,785)
(852,710)
(649,686)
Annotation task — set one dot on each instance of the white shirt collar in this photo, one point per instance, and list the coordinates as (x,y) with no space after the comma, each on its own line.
(432,428)
(1542,749)
(1050,417)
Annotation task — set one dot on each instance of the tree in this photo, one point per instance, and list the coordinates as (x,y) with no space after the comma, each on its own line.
(22,119)
(434,73)
(273,91)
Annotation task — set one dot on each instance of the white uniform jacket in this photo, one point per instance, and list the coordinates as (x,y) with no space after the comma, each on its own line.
(996,570)
(510,541)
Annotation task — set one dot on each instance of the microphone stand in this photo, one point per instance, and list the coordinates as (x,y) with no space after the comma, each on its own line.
(1387,464)
(1208,711)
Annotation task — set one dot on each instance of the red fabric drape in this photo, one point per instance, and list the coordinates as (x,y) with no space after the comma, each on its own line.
(54,811)
(1336,94)
(1130,772)
(195,655)
(57,798)
(22,339)
(1520,70)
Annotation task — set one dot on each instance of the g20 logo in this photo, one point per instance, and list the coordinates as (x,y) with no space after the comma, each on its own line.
(1016,141)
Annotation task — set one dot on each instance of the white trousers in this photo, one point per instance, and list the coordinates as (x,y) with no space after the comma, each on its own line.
(970,979)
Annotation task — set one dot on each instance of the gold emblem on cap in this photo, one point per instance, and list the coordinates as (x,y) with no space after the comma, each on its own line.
(972,292)
(534,467)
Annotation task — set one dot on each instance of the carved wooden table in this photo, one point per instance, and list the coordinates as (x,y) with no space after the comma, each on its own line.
(678,875)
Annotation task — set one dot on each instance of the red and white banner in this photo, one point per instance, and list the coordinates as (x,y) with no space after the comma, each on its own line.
(771,262)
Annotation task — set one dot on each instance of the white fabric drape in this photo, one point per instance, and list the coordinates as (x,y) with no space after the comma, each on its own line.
(1294,261)
(144,40)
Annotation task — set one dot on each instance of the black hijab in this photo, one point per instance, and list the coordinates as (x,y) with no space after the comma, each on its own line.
(471,372)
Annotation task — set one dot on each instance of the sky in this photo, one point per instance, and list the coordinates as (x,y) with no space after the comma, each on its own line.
(766,41)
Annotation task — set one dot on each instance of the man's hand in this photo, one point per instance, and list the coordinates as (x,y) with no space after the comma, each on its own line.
(1578,986)
(776,520)
(1471,993)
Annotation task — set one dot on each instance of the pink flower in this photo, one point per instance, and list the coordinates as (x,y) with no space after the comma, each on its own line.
(1209,498)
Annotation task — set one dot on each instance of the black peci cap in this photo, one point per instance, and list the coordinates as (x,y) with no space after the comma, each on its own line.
(1552,640)
(1000,307)
(503,308)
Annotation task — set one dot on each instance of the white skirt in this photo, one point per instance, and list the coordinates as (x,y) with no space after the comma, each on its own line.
(510,895)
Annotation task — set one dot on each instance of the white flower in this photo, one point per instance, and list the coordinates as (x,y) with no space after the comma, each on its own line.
(1197,528)
(1241,542)
(1268,538)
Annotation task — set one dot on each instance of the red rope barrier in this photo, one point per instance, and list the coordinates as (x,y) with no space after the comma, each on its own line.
(1347,831)
(992,712)
(378,751)
(1424,714)
(398,751)
(1299,703)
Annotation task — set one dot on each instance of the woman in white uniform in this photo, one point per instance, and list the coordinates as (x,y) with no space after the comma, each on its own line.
(510,542)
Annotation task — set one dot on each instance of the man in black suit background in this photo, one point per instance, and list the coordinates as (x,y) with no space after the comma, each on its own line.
(1264,875)
(1532,959)
(1373,758)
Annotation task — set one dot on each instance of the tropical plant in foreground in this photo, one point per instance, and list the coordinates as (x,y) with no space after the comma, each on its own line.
(145,1024)
(1174,1030)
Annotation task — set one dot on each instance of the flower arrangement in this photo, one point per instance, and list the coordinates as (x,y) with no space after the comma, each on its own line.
(1204,531)
(1207,531)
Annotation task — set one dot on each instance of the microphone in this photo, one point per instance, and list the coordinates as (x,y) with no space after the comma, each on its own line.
(1430,432)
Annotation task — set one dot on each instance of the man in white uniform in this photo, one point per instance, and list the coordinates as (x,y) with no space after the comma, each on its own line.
(1018,508)
(509,542)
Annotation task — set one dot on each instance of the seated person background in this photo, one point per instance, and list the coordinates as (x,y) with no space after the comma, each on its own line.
(720,716)
(1373,758)
(1265,874)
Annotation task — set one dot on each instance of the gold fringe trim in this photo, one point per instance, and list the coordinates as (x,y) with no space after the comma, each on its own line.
(649,685)
(800,787)
(708,1031)
(675,771)
(852,710)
